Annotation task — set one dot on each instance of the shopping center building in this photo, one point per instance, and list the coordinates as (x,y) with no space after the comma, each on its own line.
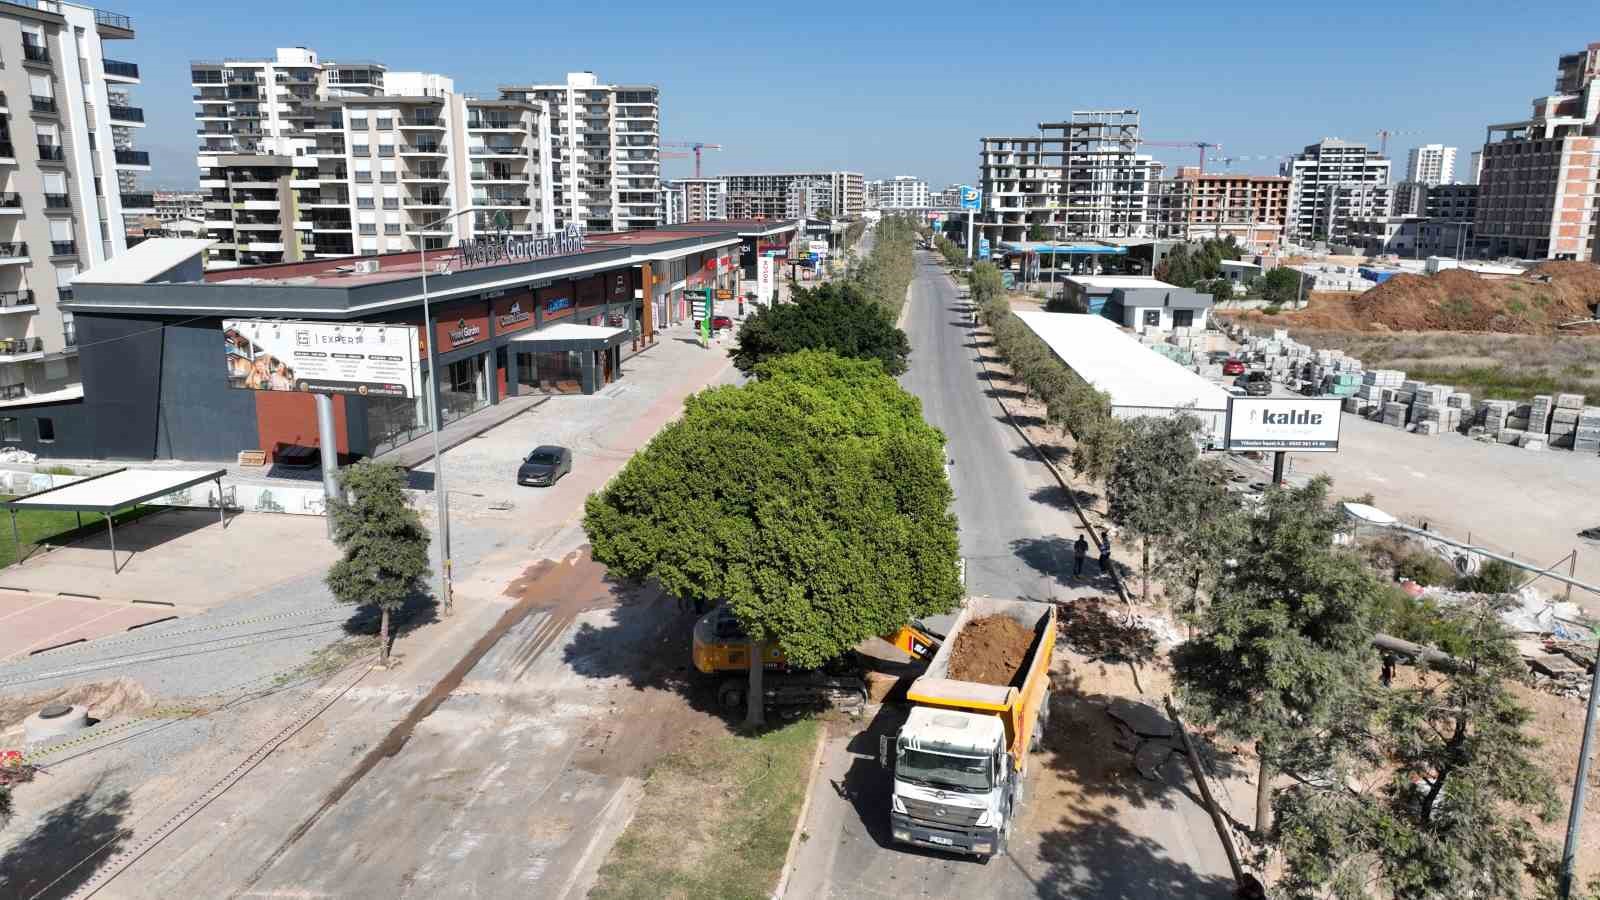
(554,314)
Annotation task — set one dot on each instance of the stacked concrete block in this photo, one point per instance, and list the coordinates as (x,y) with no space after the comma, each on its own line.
(1570,401)
(1496,413)
(1384,377)
(1396,415)
(1539,414)
(1531,441)
(1511,436)
(1587,438)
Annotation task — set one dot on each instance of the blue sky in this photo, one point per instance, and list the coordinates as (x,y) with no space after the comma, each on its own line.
(899,88)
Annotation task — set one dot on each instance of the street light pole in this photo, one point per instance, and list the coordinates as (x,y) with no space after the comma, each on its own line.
(441,499)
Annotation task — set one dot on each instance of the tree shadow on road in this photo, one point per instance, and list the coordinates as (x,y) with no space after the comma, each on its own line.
(1057,496)
(1052,555)
(419,610)
(69,845)
(1022,420)
(1091,856)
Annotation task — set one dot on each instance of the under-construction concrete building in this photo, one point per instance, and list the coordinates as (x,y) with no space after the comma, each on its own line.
(1079,179)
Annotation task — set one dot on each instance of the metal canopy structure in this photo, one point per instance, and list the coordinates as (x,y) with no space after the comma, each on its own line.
(111,491)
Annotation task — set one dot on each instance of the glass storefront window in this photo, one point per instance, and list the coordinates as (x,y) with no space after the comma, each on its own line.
(551,372)
(465,388)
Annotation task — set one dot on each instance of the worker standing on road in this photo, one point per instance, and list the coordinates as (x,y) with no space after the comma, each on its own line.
(1079,551)
(1105,553)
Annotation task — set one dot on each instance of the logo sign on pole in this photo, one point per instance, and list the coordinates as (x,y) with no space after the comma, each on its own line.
(322,357)
(766,277)
(983,248)
(1301,424)
(970,198)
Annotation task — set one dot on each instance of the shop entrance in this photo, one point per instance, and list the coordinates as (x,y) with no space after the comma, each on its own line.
(551,371)
(465,388)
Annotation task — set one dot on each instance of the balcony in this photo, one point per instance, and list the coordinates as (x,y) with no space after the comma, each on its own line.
(44,104)
(132,114)
(17,302)
(426,200)
(485,124)
(422,122)
(19,349)
(132,201)
(495,202)
(35,53)
(63,248)
(421,149)
(116,68)
(57,201)
(52,153)
(13,251)
(11,202)
(8,153)
(112,20)
(133,158)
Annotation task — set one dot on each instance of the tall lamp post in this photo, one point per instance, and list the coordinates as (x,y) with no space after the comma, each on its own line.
(440,499)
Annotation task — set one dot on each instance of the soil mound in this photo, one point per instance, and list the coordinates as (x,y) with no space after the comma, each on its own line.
(1458,300)
(990,650)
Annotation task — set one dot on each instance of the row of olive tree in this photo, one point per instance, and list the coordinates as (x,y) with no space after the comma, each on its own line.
(887,271)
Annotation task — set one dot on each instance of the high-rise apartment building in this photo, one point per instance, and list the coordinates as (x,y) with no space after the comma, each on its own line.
(1475,168)
(69,164)
(606,139)
(1410,197)
(696,200)
(1431,164)
(1539,191)
(899,192)
(1082,178)
(776,195)
(1331,182)
(1252,209)
(304,157)
(170,206)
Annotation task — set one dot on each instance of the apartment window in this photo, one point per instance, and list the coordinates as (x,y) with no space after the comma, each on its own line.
(10,430)
(386,124)
(391,227)
(360,148)
(358,123)
(1152,318)
(47,429)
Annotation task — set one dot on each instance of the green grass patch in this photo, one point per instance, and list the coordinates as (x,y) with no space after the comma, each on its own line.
(715,820)
(1497,382)
(39,526)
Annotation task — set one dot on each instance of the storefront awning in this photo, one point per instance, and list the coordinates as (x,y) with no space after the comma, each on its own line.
(571,336)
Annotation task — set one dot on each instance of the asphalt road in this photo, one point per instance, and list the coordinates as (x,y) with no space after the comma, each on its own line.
(1080,834)
(1016,526)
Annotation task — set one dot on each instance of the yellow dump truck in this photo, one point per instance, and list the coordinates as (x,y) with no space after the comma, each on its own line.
(960,758)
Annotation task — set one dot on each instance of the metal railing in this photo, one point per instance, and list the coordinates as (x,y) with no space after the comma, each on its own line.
(113,20)
(422,122)
(13,391)
(52,153)
(126,113)
(10,346)
(138,200)
(10,200)
(43,104)
(57,201)
(420,148)
(13,249)
(133,157)
(16,298)
(123,69)
(63,248)
(35,52)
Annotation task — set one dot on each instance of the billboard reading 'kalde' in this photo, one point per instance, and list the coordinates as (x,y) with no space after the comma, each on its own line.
(1302,424)
(322,357)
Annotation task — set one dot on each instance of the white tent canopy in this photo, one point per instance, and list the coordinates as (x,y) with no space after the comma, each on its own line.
(118,489)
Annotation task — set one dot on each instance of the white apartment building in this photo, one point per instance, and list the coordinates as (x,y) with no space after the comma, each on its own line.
(1475,167)
(1431,164)
(899,192)
(696,200)
(69,169)
(606,141)
(775,195)
(1330,182)
(305,157)
(1082,178)
(170,206)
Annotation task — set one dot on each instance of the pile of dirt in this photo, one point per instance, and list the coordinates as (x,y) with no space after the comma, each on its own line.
(104,699)
(990,650)
(1456,300)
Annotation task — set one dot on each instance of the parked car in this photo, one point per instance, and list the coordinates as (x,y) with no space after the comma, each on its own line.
(1218,356)
(1233,367)
(1236,391)
(1256,384)
(544,466)
(718,323)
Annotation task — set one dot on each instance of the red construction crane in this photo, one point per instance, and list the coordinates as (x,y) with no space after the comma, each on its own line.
(1383,139)
(696,146)
(1203,146)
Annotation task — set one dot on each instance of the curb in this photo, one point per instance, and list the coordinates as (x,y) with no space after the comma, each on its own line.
(800,821)
(1066,486)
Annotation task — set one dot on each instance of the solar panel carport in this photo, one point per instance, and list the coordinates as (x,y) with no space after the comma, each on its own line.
(107,493)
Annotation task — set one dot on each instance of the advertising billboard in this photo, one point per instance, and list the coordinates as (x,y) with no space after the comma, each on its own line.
(1301,424)
(818,248)
(766,277)
(322,357)
(970,198)
(983,248)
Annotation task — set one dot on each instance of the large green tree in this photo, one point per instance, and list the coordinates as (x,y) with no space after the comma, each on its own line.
(1434,789)
(1287,635)
(1154,486)
(1281,285)
(838,317)
(1192,560)
(813,501)
(382,539)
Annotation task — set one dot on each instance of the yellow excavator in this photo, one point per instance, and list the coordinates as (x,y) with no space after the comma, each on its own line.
(722,648)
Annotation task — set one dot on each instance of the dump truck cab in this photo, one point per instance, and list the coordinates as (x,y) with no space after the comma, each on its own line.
(954,787)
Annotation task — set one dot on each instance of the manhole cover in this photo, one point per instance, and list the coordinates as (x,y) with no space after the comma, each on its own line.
(55,711)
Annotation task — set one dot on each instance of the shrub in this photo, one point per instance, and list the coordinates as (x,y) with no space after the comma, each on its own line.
(1425,569)
(1493,577)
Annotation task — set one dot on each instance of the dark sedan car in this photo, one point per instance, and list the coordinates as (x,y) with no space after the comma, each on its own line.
(544,466)
(1256,384)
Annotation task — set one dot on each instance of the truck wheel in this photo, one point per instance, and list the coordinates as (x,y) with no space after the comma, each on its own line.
(731,695)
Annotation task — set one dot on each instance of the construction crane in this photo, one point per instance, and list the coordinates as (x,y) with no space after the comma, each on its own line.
(1203,146)
(696,146)
(1383,139)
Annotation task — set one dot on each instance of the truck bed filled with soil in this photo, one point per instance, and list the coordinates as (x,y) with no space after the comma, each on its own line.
(990,650)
